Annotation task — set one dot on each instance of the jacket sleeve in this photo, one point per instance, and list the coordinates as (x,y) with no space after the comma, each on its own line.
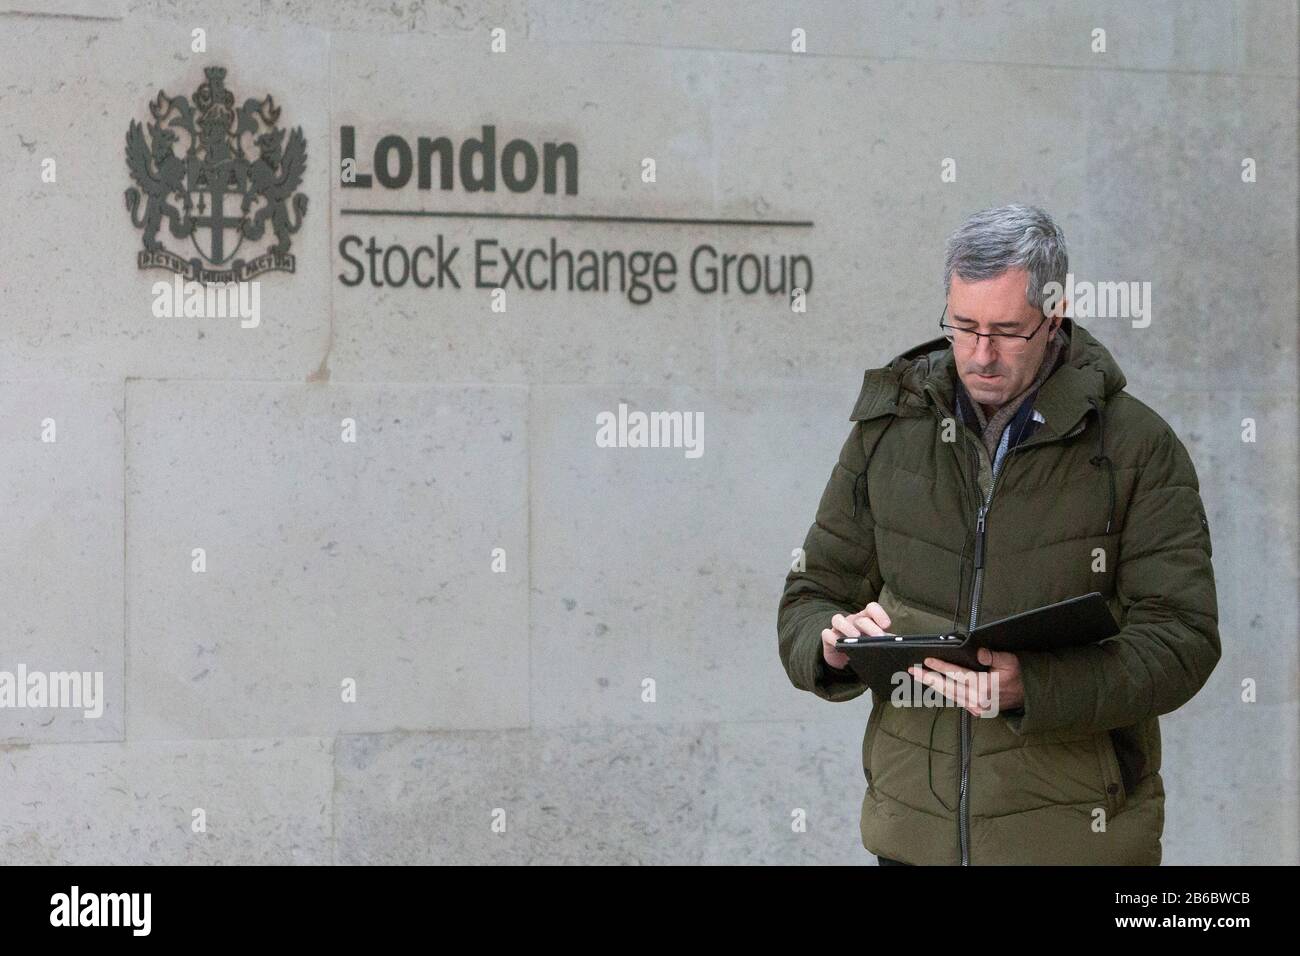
(1169,639)
(839,560)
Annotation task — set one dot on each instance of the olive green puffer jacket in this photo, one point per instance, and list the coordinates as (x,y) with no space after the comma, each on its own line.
(1102,497)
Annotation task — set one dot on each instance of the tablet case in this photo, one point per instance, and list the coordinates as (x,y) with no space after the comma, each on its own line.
(1071,623)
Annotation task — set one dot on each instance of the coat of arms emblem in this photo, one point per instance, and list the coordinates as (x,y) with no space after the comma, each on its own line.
(222,180)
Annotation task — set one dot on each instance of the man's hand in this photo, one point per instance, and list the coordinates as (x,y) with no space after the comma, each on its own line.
(871,621)
(972,689)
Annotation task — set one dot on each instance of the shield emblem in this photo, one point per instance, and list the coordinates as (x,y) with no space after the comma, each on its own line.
(215,193)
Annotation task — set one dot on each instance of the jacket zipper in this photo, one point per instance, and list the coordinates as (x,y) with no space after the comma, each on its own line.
(977,583)
(977,586)
(963,803)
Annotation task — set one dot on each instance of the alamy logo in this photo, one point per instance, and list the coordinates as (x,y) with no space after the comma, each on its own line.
(75,908)
(626,429)
(219,177)
(37,690)
(1101,300)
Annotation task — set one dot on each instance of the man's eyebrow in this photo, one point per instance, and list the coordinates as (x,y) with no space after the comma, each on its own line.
(1008,324)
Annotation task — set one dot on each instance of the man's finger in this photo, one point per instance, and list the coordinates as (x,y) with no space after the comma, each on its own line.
(931,679)
(870,627)
(1002,660)
(959,690)
(955,671)
(846,627)
(831,653)
(876,613)
(969,691)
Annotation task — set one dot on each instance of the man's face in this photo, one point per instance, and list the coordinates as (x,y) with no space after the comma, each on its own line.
(994,374)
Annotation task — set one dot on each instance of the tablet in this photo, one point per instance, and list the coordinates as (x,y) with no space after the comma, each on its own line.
(1085,619)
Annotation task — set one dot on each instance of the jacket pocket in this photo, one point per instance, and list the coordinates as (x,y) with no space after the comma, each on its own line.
(1112,776)
(869,738)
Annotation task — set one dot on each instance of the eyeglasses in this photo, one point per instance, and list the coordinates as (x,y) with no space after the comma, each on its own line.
(1007,343)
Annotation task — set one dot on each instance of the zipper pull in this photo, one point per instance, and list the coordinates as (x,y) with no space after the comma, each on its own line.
(979,538)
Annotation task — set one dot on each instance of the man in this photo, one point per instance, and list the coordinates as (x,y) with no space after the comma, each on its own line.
(1010,438)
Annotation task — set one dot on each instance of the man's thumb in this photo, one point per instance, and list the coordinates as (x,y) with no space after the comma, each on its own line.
(984,655)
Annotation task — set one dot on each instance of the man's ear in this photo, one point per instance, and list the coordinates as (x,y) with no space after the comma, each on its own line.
(1058,317)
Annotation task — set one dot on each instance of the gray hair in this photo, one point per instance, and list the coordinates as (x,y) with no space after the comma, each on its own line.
(1008,237)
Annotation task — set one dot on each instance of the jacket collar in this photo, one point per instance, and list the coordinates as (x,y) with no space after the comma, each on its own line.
(922,381)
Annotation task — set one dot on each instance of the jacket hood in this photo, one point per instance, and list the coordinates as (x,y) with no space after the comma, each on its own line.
(925,376)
